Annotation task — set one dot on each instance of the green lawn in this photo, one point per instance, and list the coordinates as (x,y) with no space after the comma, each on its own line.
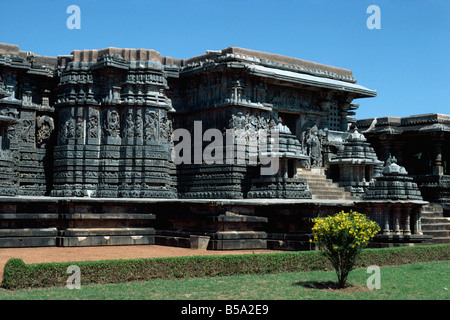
(427,281)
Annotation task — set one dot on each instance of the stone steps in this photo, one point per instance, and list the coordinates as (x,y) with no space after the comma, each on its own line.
(432,211)
(436,221)
(435,224)
(323,188)
(438,240)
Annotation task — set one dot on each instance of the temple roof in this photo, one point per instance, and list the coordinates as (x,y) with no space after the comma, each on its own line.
(12,50)
(356,151)
(275,60)
(278,67)
(430,122)
(393,184)
(259,63)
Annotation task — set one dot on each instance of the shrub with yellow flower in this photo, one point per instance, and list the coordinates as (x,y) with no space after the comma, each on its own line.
(341,237)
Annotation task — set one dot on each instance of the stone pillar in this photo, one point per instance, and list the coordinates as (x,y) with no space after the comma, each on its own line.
(386,227)
(438,167)
(397,217)
(407,221)
(283,169)
(417,229)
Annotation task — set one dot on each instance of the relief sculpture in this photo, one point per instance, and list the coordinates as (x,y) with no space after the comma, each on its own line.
(92,126)
(150,125)
(112,124)
(45,127)
(128,130)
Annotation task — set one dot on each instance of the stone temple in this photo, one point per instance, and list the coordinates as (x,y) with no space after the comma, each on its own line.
(90,152)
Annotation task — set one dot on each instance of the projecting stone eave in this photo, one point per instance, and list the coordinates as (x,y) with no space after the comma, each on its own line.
(125,53)
(280,74)
(274,60)
(279,67)
(429,121)
(308,80)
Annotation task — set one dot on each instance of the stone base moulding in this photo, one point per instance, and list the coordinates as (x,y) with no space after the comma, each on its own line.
(199,242)
(226,224)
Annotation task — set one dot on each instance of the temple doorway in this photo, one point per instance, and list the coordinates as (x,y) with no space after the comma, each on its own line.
(290,120)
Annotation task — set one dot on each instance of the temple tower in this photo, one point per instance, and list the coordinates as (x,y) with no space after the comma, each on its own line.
(114,137)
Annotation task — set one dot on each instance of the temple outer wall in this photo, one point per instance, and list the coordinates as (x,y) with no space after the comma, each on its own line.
(230,224)
(419,143)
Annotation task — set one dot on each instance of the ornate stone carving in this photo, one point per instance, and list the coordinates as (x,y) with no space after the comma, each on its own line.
(67,130)
(27,134)
(45,127)
(312,146)
(150,125)
(139,124)
(9,112)
(315,149)
(79,127)
(111,125)
(165,127)
(92,126)
(129,126)
(11,134)
(248,122)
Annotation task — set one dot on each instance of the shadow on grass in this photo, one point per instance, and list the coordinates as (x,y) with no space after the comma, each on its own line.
(317,284)
(329,285)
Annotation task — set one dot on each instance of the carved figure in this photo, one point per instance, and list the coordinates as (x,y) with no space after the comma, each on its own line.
(27,134)
(164,128)
(315,149)
(139,125)
(112,124)
(150,125)
(92,126)
(80,127)
(45,126)
(129,125)
(67,130)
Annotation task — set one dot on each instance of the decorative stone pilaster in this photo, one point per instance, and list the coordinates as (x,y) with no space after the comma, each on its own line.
(438,166)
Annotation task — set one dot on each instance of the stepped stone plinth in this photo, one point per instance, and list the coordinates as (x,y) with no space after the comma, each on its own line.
(394,201)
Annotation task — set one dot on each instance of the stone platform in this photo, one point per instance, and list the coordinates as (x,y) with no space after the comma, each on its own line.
(278,224)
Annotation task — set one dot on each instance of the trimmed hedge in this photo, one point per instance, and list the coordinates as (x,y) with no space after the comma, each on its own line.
(18,275)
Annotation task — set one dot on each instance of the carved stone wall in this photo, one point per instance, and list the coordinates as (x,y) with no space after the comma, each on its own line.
(226,91)
(115,130)
(98,123)
(26,121)
(420,144)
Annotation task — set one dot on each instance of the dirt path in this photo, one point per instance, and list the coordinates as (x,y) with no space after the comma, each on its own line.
(64,254)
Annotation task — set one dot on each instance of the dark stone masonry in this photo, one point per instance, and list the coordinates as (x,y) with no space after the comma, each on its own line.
(90,152)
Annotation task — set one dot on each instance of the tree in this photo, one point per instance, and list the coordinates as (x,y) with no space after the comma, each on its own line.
(341,237)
